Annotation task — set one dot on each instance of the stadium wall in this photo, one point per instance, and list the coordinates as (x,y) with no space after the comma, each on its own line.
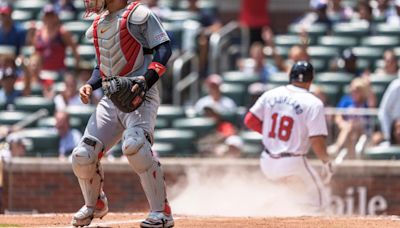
(49,185)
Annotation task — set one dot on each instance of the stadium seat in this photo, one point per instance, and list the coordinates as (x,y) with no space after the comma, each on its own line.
(235,92)
(382,153)
(319,64)
(387,29)
(182,140)
(279,78)
(35,7)
(340,42)
(378,19)
(332,92)
(45,142)
(314,30)
(381,80)
(77,28)
(36,89)
(251,151)
(282,51)
(322,52)
(252,144)
(81,112)
(352,29)
(334,78)
(164,149)
(51,75)
(50,122)
(350,3)
(87,52)
(170,113)
(363,64)
(206,6)
(161,123)
(200,125)
(251,137)
(32,104)
(66,16)
(287,40)
(368,53)
(21,16)
(380,41)
(12,117)
(178,17)
(80,6)
(238,77)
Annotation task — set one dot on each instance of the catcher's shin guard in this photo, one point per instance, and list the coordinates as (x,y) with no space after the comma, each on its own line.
(87,168)
(138,151)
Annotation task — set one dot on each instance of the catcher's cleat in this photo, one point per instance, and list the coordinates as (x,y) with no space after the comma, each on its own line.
(101,208)
(158,220)
(83,217)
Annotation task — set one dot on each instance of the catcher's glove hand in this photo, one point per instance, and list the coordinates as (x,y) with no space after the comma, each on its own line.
(126,93)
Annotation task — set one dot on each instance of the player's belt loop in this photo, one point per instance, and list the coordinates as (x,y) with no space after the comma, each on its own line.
(281,155)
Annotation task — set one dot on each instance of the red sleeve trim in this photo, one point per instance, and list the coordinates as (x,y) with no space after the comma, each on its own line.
(157,67)
(253,122)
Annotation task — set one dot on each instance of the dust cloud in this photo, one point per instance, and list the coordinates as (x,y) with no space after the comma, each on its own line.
(231,192)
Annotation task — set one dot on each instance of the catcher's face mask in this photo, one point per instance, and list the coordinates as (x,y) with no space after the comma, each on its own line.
(94,6)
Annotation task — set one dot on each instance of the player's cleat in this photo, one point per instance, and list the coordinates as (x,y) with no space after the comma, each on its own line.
(83,217)
(101,208)
(158,220)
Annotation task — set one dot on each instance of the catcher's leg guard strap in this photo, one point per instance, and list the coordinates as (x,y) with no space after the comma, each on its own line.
(87,168)
(138,151)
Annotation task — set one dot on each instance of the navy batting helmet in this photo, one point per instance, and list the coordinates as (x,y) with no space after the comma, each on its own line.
(302,71)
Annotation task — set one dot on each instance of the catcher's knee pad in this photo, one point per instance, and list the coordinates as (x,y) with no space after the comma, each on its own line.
(85,157)
(137,149)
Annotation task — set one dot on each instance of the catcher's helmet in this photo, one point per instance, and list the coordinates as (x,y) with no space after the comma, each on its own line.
(302,71)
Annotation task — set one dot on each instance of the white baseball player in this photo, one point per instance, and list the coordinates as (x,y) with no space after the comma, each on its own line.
(130,44)
(290,118)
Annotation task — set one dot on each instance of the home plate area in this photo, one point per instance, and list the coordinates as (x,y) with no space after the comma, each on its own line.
(123,220)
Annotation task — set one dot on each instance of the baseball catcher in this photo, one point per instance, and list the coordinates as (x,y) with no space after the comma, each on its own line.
(132,49)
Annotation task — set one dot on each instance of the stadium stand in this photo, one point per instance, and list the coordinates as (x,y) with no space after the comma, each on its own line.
(176,130)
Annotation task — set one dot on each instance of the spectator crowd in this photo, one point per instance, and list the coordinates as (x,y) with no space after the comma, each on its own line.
(43,58)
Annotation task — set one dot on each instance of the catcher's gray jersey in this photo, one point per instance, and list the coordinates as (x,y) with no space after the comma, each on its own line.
(108,123)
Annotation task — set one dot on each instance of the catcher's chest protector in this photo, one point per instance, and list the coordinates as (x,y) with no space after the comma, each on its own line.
(118,52)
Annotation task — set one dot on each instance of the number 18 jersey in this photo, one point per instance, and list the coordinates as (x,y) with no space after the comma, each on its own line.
(289,115)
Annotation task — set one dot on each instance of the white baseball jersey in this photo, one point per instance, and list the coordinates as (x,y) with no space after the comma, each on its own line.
(290,115)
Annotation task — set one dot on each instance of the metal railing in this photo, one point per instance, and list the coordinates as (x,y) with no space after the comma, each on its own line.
(220,42)
(183,79)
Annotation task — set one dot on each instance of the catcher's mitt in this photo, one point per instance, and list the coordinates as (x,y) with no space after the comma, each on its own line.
(119,90)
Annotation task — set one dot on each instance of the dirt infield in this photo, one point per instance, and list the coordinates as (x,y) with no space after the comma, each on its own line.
(123,220)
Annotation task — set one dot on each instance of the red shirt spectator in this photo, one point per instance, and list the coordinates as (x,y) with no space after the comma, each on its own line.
(51,41)
(254,13)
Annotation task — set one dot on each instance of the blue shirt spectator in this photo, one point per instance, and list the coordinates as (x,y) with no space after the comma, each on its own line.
(7,92)
(11,33)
